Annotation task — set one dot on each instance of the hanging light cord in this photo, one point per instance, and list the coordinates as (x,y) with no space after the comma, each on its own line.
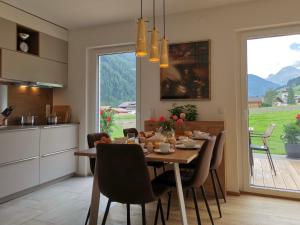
(154,14)
(141,8)
(164,8)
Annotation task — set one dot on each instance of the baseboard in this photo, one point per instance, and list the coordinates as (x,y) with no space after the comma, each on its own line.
(233,193)
(35,188)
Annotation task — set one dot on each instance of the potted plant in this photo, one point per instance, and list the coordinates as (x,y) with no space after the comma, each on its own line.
(291,137)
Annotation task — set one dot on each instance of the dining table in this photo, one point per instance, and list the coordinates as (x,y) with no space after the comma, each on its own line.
(179,156)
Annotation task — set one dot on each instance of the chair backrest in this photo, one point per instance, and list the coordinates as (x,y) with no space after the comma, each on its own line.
(130,130)
(123,173)
(269,131)
(218,151)
(203,161)
(91,138)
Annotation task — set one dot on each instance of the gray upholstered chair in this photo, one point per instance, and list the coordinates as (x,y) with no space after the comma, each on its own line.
(196,178)
(124,178)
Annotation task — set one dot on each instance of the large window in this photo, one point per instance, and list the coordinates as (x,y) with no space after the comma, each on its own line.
(117,92)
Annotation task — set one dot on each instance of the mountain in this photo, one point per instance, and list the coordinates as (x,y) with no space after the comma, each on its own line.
(294,82)
(117,78)
(284,75)
(257,86)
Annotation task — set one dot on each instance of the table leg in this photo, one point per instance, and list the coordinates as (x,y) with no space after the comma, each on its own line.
(180,194)
(95,201)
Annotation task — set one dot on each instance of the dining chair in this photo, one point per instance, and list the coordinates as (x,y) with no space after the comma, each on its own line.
(194,179)
(91,139)
(154,165)
(215,164)
(124,178)
(265,147)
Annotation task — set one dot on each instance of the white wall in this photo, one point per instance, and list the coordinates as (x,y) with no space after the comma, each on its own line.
(10,13)
(221,26)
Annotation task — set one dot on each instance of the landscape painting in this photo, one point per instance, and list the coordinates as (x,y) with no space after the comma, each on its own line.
(188,74)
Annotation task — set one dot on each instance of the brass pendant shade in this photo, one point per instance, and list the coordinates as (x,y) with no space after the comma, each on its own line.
(154,51)
(141,44)
(164,54)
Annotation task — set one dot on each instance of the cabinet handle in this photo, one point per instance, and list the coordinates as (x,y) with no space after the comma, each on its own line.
(18,161)
(58,152)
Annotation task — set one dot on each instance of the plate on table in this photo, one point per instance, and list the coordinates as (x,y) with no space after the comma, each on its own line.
(165,153)
(181,146)
(200,138)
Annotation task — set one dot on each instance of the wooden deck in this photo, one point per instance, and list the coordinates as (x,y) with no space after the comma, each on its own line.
(288,173)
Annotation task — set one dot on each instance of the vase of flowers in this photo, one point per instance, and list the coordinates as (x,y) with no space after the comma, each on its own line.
(166,127)
(107,120)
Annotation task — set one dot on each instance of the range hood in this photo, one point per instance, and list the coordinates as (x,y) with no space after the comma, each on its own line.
(30,83)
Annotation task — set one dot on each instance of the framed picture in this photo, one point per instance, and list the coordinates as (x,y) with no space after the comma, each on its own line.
(188,74)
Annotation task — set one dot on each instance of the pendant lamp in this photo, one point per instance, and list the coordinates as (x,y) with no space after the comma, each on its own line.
(141,43)
(164,54)
(154,52)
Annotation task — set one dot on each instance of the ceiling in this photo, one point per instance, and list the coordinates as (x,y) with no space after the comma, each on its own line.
(79,13)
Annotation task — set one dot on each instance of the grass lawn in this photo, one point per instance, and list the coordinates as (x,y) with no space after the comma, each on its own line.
(123,121)
(260,118)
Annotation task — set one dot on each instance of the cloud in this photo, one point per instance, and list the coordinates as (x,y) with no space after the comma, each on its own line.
(295,46)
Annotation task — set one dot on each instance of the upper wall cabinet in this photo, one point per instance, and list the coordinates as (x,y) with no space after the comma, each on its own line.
(8,37)
(25,67)
(53,48)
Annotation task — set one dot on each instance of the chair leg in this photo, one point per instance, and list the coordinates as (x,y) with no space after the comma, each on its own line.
(155,173)
(144,214)
(164,168)
(219,183)
(271,161)
(156,213)
(128,214)
(87,216)
(207,205)
(161,213)
(106,212)
(169,204)
(196,206)
(216,193)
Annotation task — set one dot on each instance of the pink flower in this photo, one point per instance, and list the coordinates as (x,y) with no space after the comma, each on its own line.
(162,119)
(179,122)
(298,117)
(175,117)
(101,112)
(108,119)
(182,116)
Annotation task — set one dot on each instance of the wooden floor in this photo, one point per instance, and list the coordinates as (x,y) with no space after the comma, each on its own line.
(66,203)
(288,173)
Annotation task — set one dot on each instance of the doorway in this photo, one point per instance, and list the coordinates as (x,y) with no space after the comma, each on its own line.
(273,113)
(117,92)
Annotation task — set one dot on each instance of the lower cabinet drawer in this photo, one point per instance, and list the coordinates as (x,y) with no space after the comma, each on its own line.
(19,176)
(57,165)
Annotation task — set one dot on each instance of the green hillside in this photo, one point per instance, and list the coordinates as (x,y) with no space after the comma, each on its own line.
(117,78)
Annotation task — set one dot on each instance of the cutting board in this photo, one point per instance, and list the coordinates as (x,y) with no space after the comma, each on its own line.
(63,113)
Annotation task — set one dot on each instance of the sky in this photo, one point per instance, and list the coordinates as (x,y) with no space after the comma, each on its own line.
(268,55)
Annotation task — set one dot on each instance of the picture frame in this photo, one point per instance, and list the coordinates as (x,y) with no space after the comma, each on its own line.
(188,74)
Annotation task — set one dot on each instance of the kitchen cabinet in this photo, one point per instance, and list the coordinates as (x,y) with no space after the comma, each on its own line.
(53,48)
(8,38)
(57,164)
(26,67)
(19,176)
(58,144)
(19,144)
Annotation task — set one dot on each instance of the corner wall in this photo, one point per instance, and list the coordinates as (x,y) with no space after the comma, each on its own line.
(221,26)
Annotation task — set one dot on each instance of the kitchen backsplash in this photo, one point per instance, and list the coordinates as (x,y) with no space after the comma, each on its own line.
(29,100)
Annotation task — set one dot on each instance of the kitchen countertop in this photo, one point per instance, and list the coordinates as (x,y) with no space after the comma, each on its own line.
(28,127)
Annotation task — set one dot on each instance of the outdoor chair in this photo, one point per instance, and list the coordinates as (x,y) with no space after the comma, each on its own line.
(264,148)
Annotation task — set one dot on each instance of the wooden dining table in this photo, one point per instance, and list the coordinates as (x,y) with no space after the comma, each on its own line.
(180,156)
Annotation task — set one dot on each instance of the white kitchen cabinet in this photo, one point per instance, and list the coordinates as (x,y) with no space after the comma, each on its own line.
(19,176)
(53,48)
(58,138)
(26,67)
(19,144)
(58,164)
(8,37)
